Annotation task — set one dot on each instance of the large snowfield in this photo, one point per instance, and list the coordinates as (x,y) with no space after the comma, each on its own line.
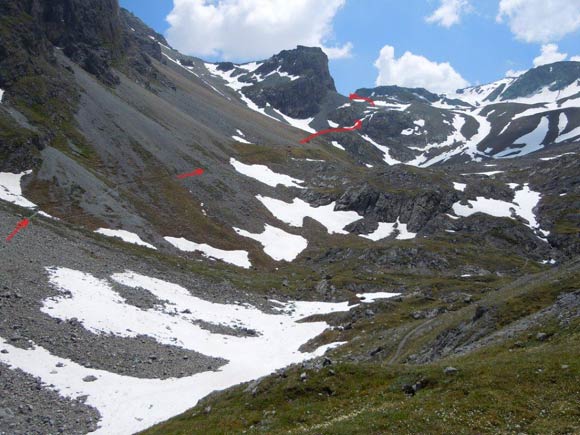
(102,310)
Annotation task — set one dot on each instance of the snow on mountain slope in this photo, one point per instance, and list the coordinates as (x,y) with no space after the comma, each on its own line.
(125,236)
(277,243)
(482,94)
(530,142)
(101,310)
(523,205)
(237,258)
(458,126)
(265,175)
(11,191)
(294,213)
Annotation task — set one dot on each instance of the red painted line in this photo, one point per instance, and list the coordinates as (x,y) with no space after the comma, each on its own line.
(195,173)
(357,126)
(20,226)
(358,97)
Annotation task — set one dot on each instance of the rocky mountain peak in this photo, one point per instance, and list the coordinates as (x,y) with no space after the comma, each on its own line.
(553,77)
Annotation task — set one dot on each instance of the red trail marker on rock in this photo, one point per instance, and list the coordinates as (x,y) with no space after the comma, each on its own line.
(358,97)
(20,226)
(195,173)
(357,126)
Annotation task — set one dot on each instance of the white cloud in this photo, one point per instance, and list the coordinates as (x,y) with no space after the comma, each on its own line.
(252,29)
(575,58)
(540,20)
(549,54)
(411,70)
(449,12)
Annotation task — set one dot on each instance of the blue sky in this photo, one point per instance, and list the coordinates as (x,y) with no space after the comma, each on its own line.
(478,48)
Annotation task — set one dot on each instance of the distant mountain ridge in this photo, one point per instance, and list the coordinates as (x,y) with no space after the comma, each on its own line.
(505,119)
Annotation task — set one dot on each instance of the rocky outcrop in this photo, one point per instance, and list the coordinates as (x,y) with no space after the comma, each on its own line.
(299,98)
(413,207)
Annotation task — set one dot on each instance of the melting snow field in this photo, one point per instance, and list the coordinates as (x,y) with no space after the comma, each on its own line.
(525,200)
(531,142)
(570,135)
(369,298)
(125,236)
(294,213)
(11,191)
(265,175)
(237,258)
(386,151)
(277,243)
(385,229)
(102,310)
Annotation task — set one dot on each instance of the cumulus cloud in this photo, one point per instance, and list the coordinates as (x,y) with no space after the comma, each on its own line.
(413,71)
(449,12)
(549,54)
(540,21)
(575,58)
(252,29)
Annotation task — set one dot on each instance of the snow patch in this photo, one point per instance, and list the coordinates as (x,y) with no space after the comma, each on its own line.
(237,258)
(265,175)
(531,141)
(369,298)
(459,186)
(126,236)
(525,200)
(241,140)
(277,243)
(546,159)
(294,213)
(11,191)
(570,135)
(562,123)
(384,230)
(386,151)
(337,145)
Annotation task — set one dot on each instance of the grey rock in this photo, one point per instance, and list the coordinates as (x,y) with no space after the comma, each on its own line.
(90,378)
(450,370)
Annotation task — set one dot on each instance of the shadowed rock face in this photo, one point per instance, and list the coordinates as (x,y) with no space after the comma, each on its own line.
(89,31)
(300,98)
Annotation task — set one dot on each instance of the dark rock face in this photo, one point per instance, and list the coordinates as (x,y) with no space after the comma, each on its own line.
(89,31)
(415,208)
(300,98)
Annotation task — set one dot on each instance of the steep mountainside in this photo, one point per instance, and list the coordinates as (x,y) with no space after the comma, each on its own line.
(179,226)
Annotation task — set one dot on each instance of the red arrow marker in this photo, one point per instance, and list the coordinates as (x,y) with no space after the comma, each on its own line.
(20,226)
(195,173)
(357,126)
(358,97)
